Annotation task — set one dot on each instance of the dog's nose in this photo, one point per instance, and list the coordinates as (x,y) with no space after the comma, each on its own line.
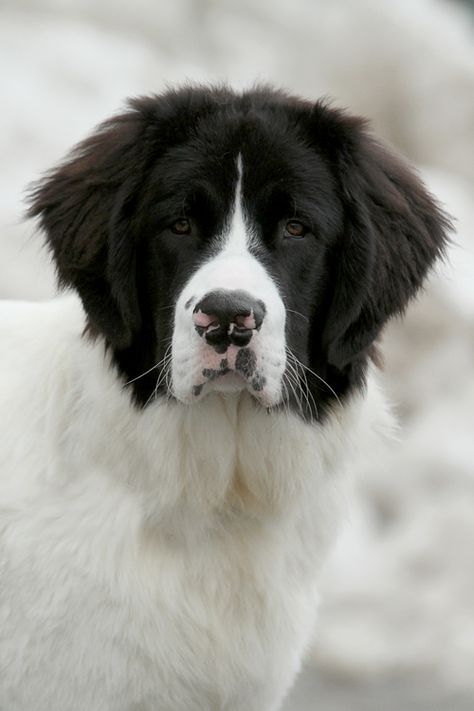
(228,317)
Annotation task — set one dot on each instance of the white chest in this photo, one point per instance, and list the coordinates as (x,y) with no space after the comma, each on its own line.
(93,617)
(157,560)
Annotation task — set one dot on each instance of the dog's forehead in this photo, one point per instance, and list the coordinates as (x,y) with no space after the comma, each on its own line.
(212,147)
(280,175)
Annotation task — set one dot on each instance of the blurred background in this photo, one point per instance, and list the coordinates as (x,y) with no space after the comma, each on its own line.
(396,627)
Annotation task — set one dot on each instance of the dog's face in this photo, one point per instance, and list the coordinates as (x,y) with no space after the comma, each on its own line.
(229,322)
(240,248)
(228,242)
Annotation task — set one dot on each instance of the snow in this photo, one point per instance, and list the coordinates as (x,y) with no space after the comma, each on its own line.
(398,592)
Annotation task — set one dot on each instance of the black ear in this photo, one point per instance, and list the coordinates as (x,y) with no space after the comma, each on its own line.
(83,208)
(393,232)
(87,206)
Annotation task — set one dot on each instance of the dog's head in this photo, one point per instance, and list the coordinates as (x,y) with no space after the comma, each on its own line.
(228,242)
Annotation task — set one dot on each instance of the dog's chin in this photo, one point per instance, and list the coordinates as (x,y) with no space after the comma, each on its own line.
(229,383)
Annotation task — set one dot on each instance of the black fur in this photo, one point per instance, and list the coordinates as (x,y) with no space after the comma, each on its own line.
(374,230)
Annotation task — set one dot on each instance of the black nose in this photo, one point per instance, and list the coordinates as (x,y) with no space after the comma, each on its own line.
(228,317)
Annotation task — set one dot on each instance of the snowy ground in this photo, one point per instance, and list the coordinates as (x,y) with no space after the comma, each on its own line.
(396,629)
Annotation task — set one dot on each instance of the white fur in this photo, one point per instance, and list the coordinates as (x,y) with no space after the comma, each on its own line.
(154,560)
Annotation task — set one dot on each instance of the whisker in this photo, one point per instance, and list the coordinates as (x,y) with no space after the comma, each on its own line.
(292,311)
(163,376)
(302,365)
(153,367)
(294,388)
(303,381)
(164,373)
(286,398)
(306,392)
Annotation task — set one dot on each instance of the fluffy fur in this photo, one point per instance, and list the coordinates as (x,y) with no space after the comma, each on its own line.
(174,448)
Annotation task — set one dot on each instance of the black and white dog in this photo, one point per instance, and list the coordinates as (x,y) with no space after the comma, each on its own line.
(174,443)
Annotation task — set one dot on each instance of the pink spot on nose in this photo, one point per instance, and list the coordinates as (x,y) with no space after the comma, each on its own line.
(247,322)
(204,320)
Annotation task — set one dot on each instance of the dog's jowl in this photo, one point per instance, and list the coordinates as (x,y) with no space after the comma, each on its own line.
(176,432)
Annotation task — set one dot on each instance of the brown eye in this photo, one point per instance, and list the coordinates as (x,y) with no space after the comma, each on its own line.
(181,227)
(294,228)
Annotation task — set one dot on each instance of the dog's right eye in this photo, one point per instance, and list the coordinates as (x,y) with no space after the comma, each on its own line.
(295,229)
(181,227)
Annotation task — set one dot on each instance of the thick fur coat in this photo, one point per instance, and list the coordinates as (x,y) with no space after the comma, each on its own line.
(175,442)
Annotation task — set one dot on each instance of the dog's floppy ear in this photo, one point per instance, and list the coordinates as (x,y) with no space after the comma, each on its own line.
(86,206)
(83,207)
(393,232)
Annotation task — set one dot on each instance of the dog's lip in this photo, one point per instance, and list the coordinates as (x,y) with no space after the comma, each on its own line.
(232,382)
(224,381)
(234,370)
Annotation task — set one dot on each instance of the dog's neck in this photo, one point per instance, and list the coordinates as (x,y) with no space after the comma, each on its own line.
(193,469)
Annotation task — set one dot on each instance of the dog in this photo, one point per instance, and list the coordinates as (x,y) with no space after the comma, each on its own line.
(176,433)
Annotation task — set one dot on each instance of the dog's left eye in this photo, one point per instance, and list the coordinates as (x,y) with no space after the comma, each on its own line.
(295,228)
(181,227)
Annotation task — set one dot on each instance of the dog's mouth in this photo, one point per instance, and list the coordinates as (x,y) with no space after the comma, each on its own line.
(228,381)
(236,369)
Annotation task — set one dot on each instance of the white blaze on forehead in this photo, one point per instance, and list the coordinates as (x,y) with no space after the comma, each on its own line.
(237,239)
